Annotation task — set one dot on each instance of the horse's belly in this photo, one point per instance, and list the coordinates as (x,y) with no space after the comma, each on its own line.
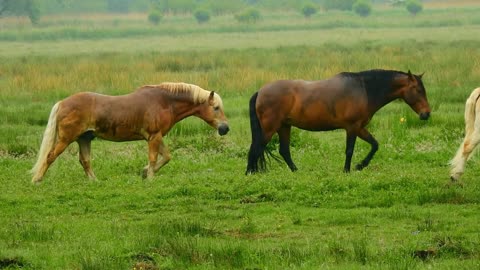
(119,135)
(319,126)
(109,137)
(314,121)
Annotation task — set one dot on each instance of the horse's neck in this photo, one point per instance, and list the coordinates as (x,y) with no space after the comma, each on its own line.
(183,108)
(378,98)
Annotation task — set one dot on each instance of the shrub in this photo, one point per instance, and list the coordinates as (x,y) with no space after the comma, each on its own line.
(155,17)
(308,10)
(414,7)
(248,16)
(362,8)
(202,15)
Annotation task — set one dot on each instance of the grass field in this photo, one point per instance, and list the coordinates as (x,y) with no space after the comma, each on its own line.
(201,211)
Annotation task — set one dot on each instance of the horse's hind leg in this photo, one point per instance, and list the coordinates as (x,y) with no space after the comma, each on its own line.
(284,138)
(366,136)
(84,145)
(57,149)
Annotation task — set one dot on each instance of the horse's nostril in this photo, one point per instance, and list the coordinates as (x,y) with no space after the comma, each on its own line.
(425,115)
(223,129)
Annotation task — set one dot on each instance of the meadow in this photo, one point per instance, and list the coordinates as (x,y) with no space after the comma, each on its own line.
(200,211)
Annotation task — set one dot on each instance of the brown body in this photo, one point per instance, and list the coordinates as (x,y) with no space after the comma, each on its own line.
(312,105)
(347,101)
(146,114)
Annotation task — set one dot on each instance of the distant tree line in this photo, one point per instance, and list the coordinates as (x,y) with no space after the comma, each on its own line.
(244,10)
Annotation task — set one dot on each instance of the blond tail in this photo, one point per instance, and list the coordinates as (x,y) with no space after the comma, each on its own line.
(48,141)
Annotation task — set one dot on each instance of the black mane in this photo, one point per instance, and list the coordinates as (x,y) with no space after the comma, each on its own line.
(377,82)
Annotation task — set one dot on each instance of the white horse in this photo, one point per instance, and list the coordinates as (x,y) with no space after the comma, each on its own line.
(472,135)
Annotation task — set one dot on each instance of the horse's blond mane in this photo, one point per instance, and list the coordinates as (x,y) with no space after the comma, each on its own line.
(198,94)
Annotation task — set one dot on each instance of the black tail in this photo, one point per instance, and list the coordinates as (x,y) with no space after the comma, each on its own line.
(256,155)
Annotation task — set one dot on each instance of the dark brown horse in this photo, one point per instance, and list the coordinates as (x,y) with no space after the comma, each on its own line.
(146,114)
(347,101)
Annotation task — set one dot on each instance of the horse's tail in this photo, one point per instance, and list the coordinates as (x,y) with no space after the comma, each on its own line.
(48,141)
(256,155)
(458,162)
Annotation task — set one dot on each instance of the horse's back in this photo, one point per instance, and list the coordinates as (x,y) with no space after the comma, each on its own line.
(115,118)
(314,105)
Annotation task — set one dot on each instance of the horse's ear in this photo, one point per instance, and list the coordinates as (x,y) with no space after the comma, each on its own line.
(410,76)
(421,75)
(211,98)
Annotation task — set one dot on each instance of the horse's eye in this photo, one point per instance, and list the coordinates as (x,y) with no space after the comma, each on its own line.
(216,108)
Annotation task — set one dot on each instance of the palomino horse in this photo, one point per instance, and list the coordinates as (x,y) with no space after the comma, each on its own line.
(346,101)
(146,114)
(472,135)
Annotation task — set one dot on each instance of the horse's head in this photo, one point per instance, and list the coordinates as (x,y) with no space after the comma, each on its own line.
(414,94)
(211,112)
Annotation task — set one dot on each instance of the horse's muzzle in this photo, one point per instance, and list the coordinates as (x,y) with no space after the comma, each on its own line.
(424,115)
(223,129)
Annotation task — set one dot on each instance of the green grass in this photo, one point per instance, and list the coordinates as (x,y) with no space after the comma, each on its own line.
(201,211)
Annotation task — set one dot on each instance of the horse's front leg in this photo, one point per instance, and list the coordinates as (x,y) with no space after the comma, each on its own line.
(156,147)
(351,138)
(366,136)
(84,145)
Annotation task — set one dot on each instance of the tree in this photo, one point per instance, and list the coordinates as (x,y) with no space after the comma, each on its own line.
(308,10)
(33,13)
(414,6)
(202,15)
(362,8)
(155,17)
(21,8)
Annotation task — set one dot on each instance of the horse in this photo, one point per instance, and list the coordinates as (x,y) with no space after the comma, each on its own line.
(148,114)
(472,136)
(346,101)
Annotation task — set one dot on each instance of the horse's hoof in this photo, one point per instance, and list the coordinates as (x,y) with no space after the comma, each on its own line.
(359,167)
(454,182)
(251,171)
(36,181)
(454,177)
